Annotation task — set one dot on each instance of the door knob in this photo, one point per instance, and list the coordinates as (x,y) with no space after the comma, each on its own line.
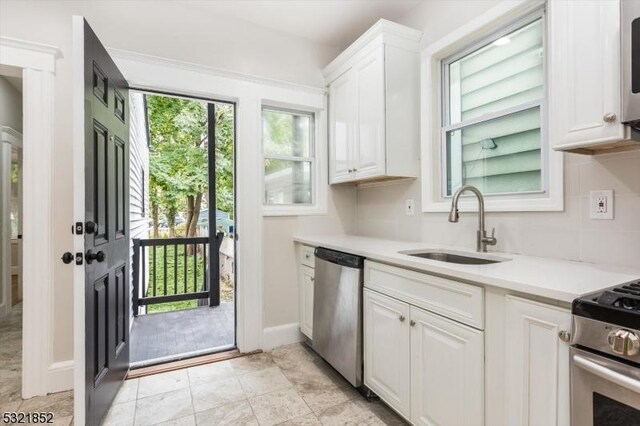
(67,258)
(91,228)
(91,256)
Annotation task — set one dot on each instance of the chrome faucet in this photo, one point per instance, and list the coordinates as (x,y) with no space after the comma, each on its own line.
(482,240)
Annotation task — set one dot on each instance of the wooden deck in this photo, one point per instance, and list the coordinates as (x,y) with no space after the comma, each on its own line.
(169,336)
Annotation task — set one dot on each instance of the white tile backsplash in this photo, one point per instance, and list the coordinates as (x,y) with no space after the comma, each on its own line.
(569,235)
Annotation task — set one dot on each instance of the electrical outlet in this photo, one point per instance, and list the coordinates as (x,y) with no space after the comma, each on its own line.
(410,210)
(601,204)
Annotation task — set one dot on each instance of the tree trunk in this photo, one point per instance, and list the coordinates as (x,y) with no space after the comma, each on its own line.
(155,213)
(190,203)
(193,226)
(171,221)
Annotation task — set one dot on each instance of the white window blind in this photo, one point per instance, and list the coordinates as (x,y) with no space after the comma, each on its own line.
(494,92)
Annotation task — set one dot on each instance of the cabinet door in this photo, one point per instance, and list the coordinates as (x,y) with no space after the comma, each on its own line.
(342,114)
(370,140)
(537,363)
(386,350)
(584,74)
(447,371)
(306,300)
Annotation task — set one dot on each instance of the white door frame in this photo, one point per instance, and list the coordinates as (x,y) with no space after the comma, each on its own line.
(38,64)
(9,138)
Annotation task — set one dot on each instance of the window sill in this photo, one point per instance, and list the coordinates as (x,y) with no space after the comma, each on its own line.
(534,204)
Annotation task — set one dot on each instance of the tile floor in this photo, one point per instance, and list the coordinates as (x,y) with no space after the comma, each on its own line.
(289,385)
(61,404)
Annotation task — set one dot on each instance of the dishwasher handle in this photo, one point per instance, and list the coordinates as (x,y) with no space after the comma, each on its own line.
(340,258)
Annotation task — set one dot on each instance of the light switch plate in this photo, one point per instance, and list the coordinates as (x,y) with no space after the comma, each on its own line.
(601,204)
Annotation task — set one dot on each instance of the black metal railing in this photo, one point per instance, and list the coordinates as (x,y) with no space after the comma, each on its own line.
(178,270)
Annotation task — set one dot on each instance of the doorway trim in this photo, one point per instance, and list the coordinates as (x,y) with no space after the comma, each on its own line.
(40,374)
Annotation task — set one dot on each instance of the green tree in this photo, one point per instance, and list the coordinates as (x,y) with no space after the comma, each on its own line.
(178,130)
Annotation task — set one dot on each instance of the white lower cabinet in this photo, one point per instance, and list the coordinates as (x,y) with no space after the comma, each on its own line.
(537,364)
(447,371)
(306,300)
(387,350)
(428,368)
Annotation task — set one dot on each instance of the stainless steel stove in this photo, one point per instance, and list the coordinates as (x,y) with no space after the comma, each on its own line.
(605,358)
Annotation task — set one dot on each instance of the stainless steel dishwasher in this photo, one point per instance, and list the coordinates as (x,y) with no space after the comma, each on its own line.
(337,312)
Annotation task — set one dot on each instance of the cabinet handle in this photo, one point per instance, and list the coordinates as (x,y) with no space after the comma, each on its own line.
(306,256)
(351,170)
(402,318)
(565,336)
(412,323)
(313,279)
(355,170)
(609,117)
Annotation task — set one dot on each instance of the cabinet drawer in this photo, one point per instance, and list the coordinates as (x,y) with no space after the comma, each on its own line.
(307,256)
(452,299)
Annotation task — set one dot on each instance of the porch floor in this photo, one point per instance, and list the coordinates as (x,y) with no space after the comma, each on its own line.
(173,335)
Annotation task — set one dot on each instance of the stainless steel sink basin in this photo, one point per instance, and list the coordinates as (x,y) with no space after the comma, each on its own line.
(461,258)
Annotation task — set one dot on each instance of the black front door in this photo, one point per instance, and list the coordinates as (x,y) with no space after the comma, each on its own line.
(107,292)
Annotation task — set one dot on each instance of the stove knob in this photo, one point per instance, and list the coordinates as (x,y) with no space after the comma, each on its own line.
(624,342)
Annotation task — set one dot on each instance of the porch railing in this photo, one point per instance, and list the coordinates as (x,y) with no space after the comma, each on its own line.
(189,255)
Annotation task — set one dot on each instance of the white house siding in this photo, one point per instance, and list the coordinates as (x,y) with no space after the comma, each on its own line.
(139,171)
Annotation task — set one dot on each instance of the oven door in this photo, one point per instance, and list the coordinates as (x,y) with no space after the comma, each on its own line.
(604,392)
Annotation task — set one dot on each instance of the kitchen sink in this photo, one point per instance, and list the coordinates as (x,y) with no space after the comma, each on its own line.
(461,258)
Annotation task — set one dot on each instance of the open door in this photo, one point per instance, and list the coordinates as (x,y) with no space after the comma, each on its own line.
(106,229)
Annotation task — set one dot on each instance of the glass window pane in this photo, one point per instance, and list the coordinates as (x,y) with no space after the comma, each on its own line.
(498,156)
(286,133)
(502,74)
(287,182)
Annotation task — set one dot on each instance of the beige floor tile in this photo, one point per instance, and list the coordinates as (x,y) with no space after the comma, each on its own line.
(323,397)
(221,392)
(121,414)
(162,383)
(128,391)
(277,407)
(61,404)
(290,355)
(166,406)
(182,421)
(386,415)
(208,373)
(306,420)
(64,421)
(347,413)
(237,413)
(9,406)
(252,363)
(260,382)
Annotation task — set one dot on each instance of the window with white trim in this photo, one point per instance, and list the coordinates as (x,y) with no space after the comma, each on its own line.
(493,127)
(289,157)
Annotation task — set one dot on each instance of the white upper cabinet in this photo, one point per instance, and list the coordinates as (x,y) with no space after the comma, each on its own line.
(584,75)
(374,106)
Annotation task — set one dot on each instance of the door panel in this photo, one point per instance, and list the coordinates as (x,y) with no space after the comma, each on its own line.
(342,116)
(370,146)
(386,350)
(447,380)
(107,292)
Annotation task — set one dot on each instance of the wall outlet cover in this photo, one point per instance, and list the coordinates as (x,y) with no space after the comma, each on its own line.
(410,207)
(601,205)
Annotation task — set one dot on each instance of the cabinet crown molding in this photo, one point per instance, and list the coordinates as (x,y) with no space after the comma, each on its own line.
(385,31)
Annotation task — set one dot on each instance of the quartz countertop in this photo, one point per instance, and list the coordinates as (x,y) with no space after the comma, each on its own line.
(560,280)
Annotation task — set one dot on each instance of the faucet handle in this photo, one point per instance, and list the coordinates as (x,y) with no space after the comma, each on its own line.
(492,241)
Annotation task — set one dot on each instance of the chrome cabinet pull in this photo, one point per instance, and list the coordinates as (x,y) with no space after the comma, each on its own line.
(412,323)
(564,335)
(609,117)
(402,318)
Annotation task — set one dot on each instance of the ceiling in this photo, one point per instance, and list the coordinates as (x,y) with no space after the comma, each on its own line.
(334,23)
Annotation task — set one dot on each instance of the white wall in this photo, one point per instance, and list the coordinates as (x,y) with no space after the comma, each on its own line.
(565,235)
(170,29)
(10,106)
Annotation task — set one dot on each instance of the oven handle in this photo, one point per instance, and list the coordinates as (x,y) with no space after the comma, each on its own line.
(607,374)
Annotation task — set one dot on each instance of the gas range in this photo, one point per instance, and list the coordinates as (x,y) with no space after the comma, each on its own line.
(605,357)
(609,321)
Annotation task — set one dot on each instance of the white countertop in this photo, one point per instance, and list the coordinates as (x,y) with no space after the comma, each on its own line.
(560,280)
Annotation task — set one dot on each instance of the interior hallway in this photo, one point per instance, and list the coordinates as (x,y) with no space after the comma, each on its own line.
(61,404)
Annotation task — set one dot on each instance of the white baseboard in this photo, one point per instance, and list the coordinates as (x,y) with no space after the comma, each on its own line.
(60,376)
(281,335)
